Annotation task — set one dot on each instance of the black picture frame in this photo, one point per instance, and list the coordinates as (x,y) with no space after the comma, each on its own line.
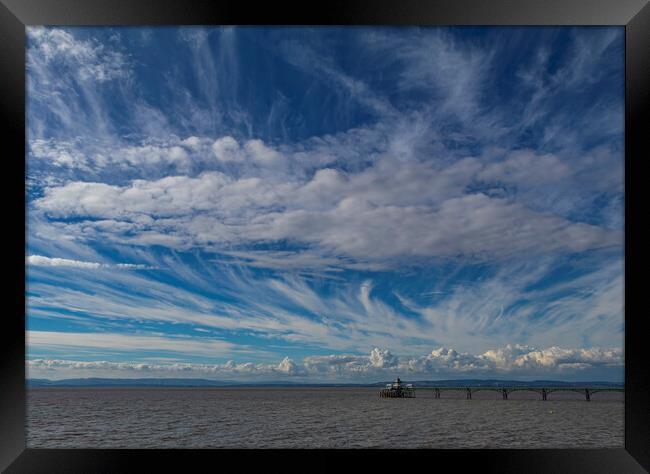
(16,14)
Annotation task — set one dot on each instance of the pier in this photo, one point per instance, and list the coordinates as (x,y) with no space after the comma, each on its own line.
(399,390)
(505,391)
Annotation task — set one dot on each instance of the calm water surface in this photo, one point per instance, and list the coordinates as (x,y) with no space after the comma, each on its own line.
(316,418)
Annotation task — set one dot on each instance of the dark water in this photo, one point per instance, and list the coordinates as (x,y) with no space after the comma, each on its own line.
(316,417)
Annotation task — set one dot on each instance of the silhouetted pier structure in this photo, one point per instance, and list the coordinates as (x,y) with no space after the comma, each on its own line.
(397,389)
(505,391)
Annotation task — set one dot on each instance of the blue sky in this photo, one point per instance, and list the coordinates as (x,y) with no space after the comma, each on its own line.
(325,204)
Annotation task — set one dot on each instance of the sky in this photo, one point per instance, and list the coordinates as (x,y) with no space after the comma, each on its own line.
(325,204)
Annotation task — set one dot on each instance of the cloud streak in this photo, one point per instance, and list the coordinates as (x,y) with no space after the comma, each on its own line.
(40,260)
(126,342)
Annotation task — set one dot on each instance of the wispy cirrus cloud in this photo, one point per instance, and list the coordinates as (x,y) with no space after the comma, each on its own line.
(88,59)
(515,303)
(127,343)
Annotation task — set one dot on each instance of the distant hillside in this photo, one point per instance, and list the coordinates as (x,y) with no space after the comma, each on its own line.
(95,382)
(162,382)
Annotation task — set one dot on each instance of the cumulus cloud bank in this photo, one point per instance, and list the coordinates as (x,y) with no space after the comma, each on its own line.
(510,360)
(362,216)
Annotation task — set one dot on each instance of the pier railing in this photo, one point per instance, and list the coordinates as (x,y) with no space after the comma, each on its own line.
(543,391)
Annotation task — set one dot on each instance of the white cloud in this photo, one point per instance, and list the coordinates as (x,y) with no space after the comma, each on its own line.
(471,225)
(152,154)
(93,159)
(454,75)
(60,262)
(382,358)
(287,366)
(58,153)
(556,357)
(526,168)
(192,142)
(262,154)
(40,260)
(227,149)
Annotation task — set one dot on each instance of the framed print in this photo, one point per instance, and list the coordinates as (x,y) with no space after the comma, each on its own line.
(269,229)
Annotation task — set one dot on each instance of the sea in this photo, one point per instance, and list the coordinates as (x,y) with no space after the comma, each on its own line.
(322,417)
